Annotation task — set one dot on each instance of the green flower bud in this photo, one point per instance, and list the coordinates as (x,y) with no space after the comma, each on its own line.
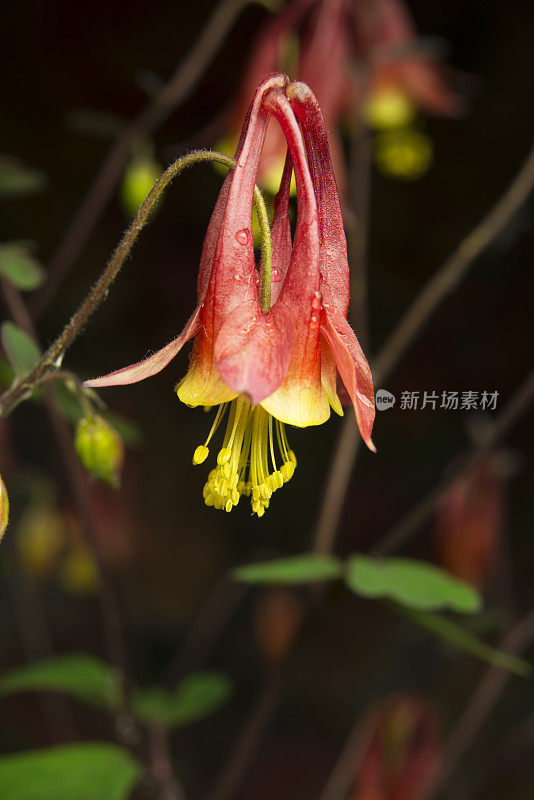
(4,508)
(100,449)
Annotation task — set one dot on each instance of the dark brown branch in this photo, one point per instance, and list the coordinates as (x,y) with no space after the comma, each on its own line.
(444,281)
(516,407)
(479,707)
(250,736)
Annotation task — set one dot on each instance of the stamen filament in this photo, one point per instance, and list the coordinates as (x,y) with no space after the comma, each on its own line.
(243,461)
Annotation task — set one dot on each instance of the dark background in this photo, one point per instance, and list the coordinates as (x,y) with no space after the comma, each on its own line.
(60,56)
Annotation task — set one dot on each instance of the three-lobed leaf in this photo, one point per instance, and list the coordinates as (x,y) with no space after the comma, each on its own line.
(22,352)
(82,676)
(304,568)
(200,695)
(93,771)
(412,583)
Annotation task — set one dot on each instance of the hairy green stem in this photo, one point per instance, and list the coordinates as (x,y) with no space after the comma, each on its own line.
(53,357)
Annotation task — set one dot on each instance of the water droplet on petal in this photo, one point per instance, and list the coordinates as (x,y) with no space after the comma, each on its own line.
(317,300)
(237,277)
(243,236)
(276,275)
(314,321)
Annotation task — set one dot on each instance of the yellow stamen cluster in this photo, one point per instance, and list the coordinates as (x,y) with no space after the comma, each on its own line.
(246,463)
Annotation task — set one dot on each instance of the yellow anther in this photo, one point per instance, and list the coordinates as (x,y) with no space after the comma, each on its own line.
(200,454)
(277,479)
(223,456)
(265,492)
(287,470)
(247,460)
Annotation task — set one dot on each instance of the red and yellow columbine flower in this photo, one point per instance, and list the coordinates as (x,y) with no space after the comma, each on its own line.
(268,368)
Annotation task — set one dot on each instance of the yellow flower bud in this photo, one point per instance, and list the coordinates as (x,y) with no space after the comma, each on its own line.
(78,574)
(100,449)
(403,153)
(4,508)
(41,535)
(139,178)
(388,108)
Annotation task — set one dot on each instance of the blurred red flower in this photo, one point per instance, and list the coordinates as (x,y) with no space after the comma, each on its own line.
(402,753)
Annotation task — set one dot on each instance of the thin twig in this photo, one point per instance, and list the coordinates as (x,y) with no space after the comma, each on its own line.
(347,764)
(212,619)
(448,276)
(161,764)
(172,94)
(516,407)
(479,707)
(250,736)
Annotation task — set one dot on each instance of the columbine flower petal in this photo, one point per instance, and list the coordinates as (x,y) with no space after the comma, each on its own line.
(151,365)
(334,267)
(300,400)
(354,371)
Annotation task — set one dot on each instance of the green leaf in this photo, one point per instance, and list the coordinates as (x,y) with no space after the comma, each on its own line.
(85,677)
(465,640)
(295,569)
(18,179)
(7,373)
(19,266)
(197,697)
(21,351)
(412,583)
(71,772)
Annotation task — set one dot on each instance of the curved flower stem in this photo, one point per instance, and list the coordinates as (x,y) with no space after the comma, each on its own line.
(53,357)
(174,92)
